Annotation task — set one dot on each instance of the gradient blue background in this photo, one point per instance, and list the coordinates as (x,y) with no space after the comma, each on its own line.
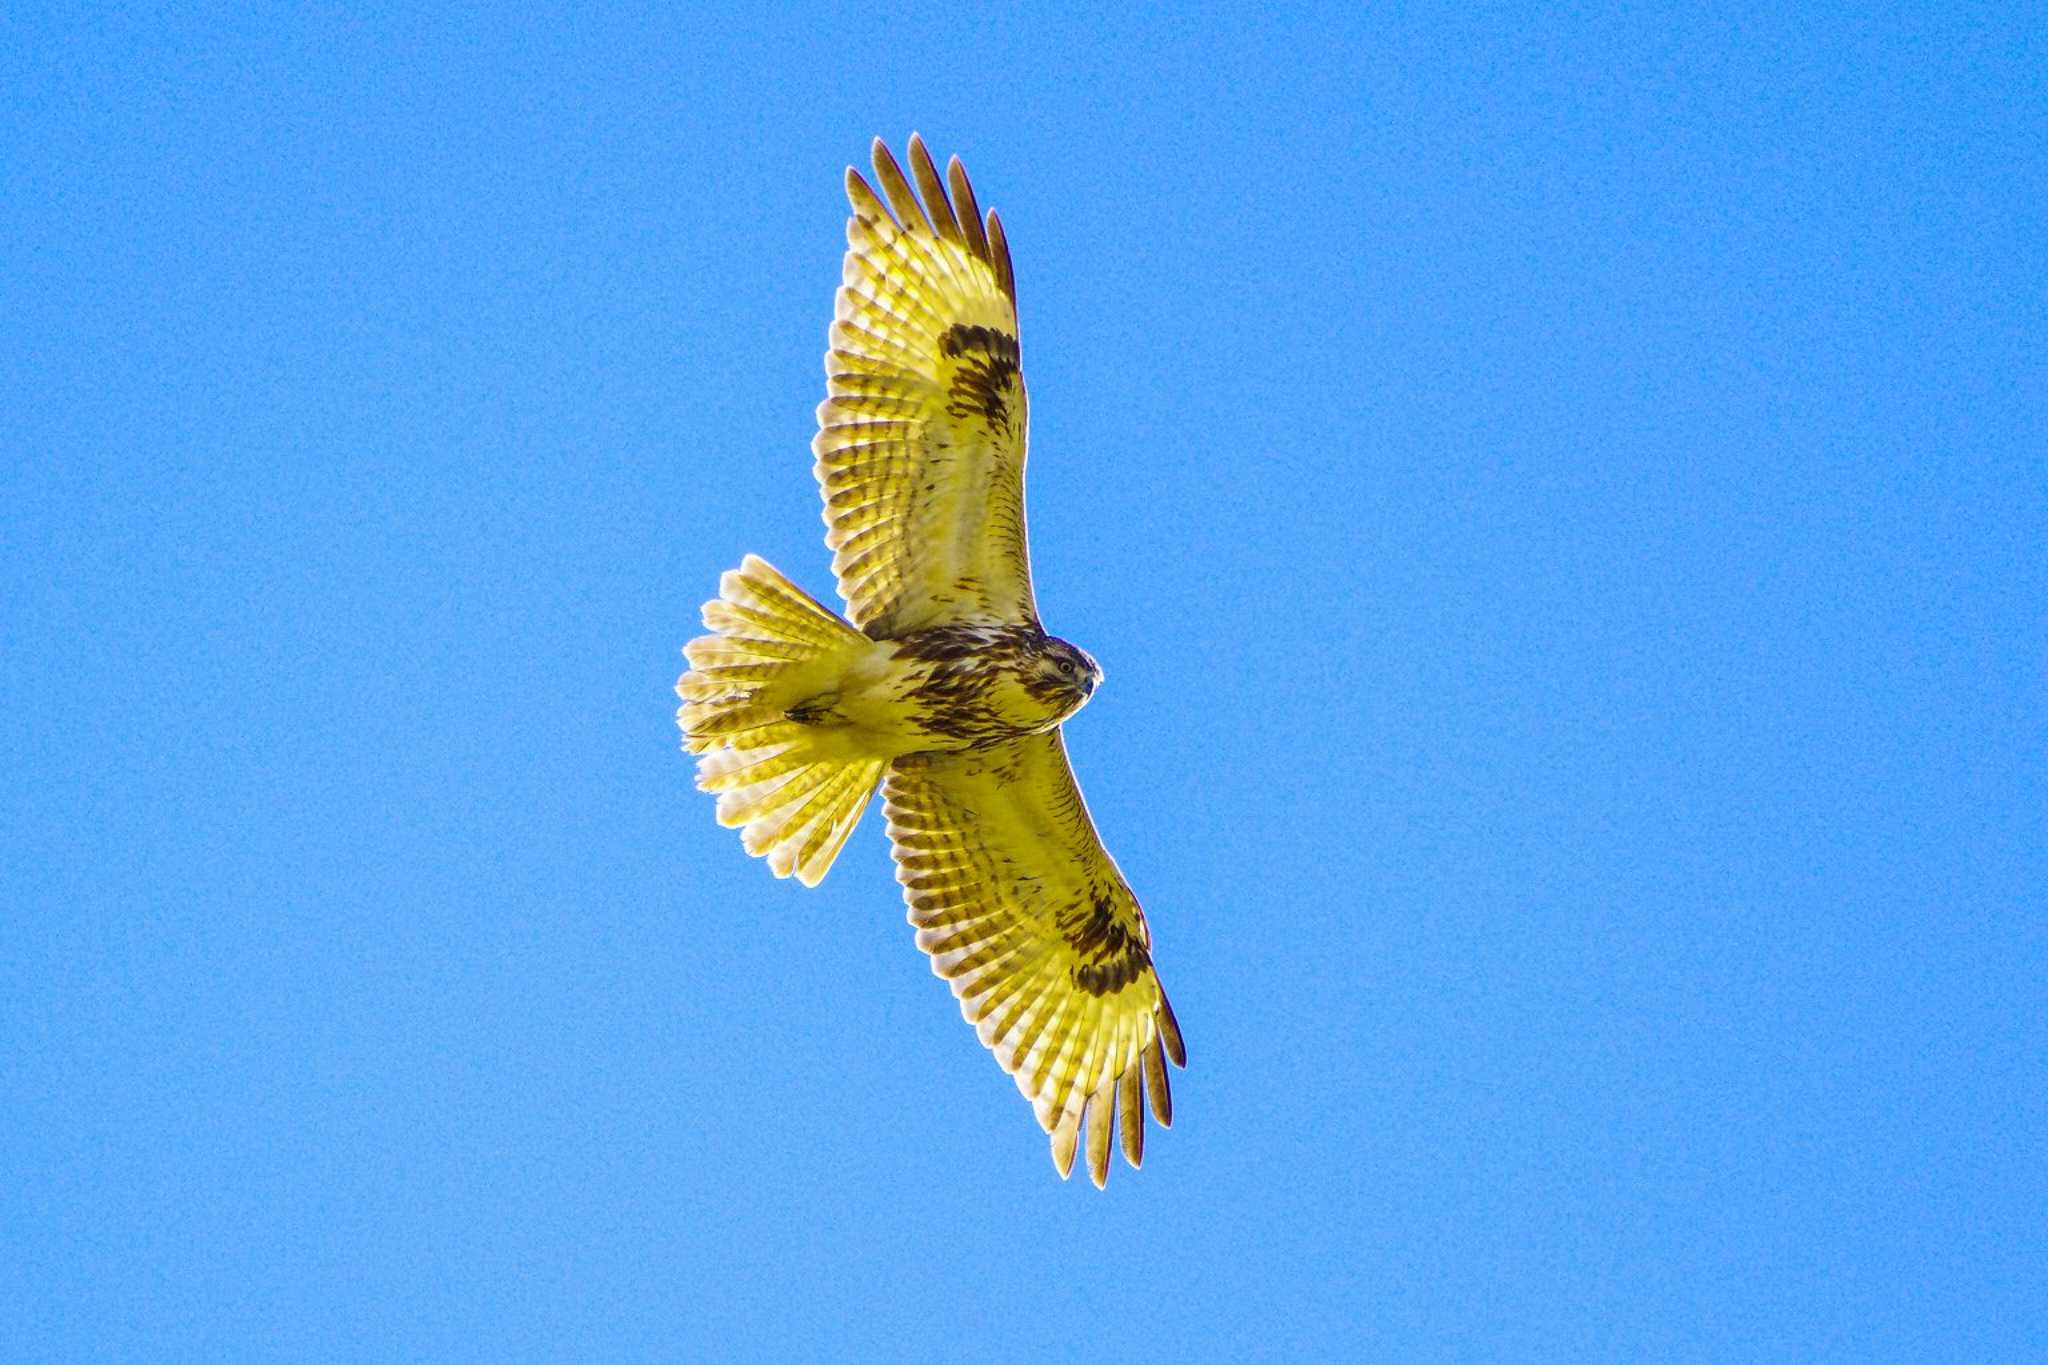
(1561,504)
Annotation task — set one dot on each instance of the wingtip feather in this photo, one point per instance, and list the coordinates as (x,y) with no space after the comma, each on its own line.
(967,209)
(1157,1091)
(1097,1111)
(937,205)
(1130,1116)
(1169,1032)
(861,197)
(895,185)
(999,256)
(1065,1135)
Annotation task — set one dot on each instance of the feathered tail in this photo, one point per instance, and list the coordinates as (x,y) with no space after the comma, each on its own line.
(775,647)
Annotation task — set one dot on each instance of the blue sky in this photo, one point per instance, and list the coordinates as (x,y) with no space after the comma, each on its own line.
(1560,504)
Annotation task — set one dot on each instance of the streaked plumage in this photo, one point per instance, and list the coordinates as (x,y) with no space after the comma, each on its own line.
(950,694)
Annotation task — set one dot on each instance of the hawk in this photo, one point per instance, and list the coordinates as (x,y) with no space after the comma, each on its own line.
(939,685)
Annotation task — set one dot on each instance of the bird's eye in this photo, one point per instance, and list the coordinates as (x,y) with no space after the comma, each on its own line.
(1066,668)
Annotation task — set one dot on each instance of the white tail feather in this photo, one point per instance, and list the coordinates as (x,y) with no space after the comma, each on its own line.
(774,646)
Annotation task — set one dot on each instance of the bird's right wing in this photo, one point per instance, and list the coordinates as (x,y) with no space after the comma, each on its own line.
(921,437)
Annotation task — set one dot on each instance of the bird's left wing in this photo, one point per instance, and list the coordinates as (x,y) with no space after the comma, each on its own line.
(1025,914)
(920,444)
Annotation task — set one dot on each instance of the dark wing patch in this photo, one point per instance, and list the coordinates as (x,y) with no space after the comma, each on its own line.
(984,382)
(1111,958)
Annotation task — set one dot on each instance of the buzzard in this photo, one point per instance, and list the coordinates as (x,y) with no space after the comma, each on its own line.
(939,685)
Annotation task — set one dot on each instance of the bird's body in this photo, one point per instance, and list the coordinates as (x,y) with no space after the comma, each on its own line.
(943,688)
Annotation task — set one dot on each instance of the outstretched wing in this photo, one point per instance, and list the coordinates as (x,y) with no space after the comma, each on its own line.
(921,436)
(1025,914)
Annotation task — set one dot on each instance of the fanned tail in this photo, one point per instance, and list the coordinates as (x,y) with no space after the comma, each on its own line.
(773,646)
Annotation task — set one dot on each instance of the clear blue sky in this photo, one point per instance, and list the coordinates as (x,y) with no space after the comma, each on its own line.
(1560,502)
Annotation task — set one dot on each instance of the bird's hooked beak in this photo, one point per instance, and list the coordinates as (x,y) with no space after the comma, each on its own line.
(1092,675)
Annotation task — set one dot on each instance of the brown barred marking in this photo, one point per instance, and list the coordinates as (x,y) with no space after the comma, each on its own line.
(822,709)
(1054,693)
(961,338)
(967,663)
(1112,959)
(951,643)
(971,691)
(986,375)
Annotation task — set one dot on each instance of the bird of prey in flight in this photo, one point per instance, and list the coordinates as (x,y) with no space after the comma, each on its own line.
(939,685)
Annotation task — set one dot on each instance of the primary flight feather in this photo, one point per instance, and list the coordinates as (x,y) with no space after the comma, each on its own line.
(949,695)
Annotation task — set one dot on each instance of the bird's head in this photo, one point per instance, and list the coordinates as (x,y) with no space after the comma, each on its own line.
(1068,671)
